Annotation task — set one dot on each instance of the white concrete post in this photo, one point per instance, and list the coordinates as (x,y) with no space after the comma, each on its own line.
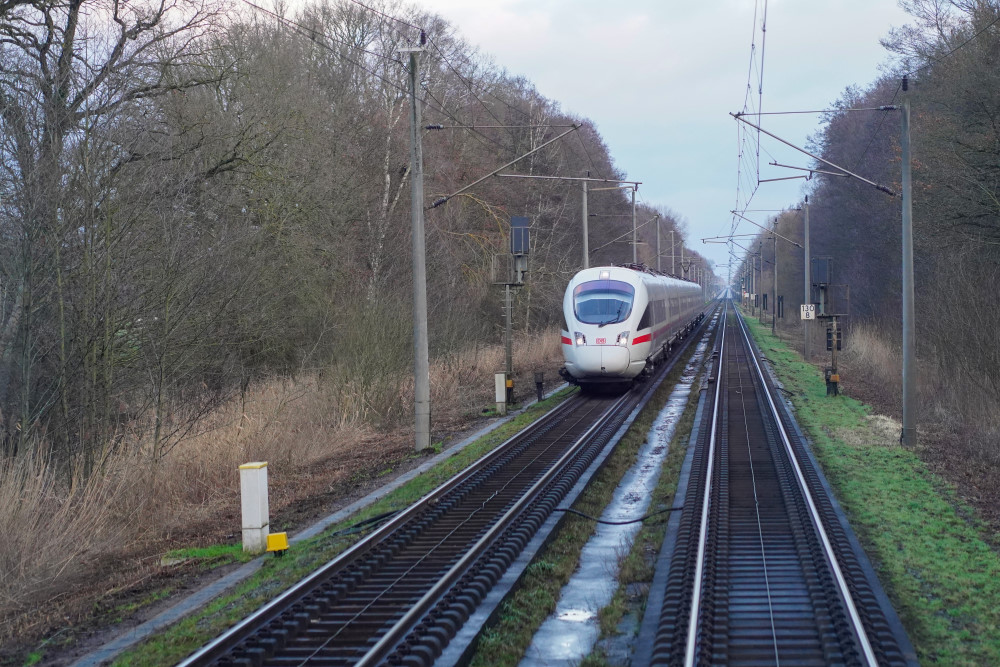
(253,490)
(500,380)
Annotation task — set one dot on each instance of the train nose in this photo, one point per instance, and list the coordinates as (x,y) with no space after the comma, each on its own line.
(602,359)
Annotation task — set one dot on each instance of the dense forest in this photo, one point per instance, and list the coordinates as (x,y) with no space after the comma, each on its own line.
(949,54)
(197,196)
(205,209)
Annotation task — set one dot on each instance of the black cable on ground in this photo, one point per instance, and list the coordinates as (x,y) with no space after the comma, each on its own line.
(617,523)
(361,525)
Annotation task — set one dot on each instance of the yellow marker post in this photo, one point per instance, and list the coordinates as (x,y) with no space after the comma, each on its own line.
(278,543)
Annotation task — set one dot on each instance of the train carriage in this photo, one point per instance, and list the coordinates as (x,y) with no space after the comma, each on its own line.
(620,321)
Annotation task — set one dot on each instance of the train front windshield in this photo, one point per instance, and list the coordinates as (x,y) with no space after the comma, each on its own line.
(603,301)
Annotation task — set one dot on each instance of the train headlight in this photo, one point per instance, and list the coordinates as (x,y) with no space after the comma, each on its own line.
(622,339)
(580,338)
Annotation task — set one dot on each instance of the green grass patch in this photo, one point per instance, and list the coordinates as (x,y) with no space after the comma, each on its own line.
(926,545)
(121,611)
(505,641)
(210,556)
(277,574)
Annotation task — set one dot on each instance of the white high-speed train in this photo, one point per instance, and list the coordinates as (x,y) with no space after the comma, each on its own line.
(620,321)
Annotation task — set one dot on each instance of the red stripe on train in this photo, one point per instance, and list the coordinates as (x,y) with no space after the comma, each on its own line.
(566,341)
(645,338)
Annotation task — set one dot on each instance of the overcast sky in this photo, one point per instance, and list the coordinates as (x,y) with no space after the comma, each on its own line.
(660,77)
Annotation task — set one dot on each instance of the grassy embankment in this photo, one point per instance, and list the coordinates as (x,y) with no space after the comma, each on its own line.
(926,545)
(278,574)
(86,547)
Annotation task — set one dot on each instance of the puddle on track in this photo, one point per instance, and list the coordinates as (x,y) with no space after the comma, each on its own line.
(571,632)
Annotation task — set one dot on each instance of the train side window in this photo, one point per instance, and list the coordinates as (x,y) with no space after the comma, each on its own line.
(644,320)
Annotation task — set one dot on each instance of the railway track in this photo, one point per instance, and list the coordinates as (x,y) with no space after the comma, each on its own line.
(400,595)
(761,567)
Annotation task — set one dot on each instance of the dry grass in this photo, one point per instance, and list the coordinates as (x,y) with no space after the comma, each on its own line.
(68,538)
(953,405)
(878,431)
(51,523)
(869,349)
(463,381)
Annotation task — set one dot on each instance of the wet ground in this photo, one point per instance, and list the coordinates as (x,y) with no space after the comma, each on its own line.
(571,632)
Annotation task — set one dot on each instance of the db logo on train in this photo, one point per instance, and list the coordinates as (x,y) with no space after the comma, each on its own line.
(602,341)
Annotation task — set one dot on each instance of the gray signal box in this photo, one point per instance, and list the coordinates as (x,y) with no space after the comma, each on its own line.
(822,270)
(519,236)
(520,244)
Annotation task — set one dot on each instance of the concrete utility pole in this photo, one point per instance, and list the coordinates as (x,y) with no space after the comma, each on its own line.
(909,435)
(586,249)
(760,274)
(635,246)
(421,362)
(508,334)
(774,312)
(673,263)
(746,282)
(808,293)
(748,276)
(658,243)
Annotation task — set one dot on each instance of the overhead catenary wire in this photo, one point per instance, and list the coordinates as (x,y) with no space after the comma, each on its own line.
(454,70)
(498,98)
(447,62)
(899,86)
(455,118)
(387,16)
(747,173)
(438,126)
(786,113)
(877,186)
(465,81)
(318,38)
(444,199)
(314,35)
(760,81)
(620,237)
(406,37)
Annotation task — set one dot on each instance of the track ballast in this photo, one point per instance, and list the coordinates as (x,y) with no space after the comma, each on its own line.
(761,567)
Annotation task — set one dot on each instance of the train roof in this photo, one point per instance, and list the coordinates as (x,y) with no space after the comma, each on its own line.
(641,269)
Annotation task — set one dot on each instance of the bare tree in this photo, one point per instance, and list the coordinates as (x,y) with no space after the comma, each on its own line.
(66,69)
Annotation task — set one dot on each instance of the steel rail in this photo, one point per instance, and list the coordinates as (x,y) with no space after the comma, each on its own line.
(389,640)
(760,527)
(692,635)
(858,625)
